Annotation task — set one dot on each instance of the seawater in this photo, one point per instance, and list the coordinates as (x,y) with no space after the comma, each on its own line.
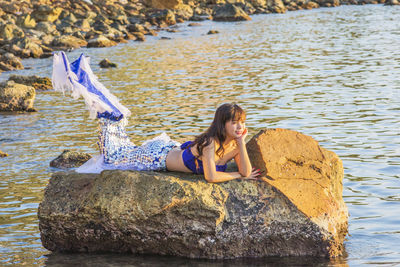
(331,73)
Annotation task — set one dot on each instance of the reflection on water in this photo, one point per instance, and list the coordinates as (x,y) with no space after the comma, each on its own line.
(329,73)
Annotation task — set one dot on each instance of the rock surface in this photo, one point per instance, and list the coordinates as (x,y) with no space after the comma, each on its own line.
(230,12)
(69,159)
(16,97)
(106,63)
(309,175)
(182,215)
(39,83)
(3,154)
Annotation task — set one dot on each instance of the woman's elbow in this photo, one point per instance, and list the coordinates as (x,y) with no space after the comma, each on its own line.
(245,173)
(210,178)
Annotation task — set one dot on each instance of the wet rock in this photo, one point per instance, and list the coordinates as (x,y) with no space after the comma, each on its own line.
(392,2)
(276,6)
(163,4)
(46,27)
(83,24)
(68,41)
(212,32)
(69,159)
(12,7)
(183,11)
(39,83)
(27,22)
(16,97)
(310,5)
(29,48)
(136,28)
(163,16)
(10,31)
(194,24)
(328,3)
(3,154)
(139,36)
(10,62)
(183,215)
(101,41)
(309,176)
(46,13)
(106,63)
(229,12)
(259,3)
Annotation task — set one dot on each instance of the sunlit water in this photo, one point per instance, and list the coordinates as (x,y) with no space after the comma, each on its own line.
(332,74)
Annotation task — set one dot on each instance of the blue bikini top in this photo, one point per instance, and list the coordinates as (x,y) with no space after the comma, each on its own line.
(190,160)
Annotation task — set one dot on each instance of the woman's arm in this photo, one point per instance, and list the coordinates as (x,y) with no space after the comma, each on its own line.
(210,173)
(242,158)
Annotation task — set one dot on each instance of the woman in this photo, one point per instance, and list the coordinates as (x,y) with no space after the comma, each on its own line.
(224,140)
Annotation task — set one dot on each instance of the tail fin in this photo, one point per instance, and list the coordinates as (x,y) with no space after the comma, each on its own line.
(78,78)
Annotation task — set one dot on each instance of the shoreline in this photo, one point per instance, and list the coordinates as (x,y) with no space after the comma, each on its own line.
(34,29)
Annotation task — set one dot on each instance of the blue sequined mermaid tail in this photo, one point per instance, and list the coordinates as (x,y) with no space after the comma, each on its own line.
(116,149)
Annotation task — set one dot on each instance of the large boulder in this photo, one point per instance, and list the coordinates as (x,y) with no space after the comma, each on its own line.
(183,215)
(308,175)
(16,97)
(229,12)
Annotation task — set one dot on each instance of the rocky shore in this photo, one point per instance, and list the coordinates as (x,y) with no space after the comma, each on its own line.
(35,28)
(296,209)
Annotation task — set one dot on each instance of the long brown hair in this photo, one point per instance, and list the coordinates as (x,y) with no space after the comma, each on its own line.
(224,113)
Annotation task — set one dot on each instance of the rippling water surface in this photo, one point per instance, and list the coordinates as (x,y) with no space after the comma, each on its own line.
(329,73)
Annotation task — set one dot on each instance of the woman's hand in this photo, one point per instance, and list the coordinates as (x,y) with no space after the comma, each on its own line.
(242,139)
(254,175)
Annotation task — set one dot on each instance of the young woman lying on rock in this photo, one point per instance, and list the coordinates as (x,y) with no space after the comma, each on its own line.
(208,153)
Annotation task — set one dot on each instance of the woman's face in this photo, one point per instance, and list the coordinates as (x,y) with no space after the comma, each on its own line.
(234,128)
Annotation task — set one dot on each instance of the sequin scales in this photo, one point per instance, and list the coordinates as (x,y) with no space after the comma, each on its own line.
(120,153)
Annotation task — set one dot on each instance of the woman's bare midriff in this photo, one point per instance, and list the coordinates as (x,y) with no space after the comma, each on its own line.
(175,162)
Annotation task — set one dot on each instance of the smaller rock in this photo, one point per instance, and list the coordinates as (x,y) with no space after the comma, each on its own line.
(101,41)
(28,22)
(46,13)
(163,4)
(16,97)
(10,31)
(2,154)
(194,24)
(46,27)
(10,62)
(70,159)
(139,36)
(165,38)
(213,32)
(162,17)
(68,41)
(106,63)
(310,5)
(229,12)
(392,3)
(39,83)
(184,12)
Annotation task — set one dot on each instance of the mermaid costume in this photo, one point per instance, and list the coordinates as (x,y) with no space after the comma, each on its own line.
(116,149)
